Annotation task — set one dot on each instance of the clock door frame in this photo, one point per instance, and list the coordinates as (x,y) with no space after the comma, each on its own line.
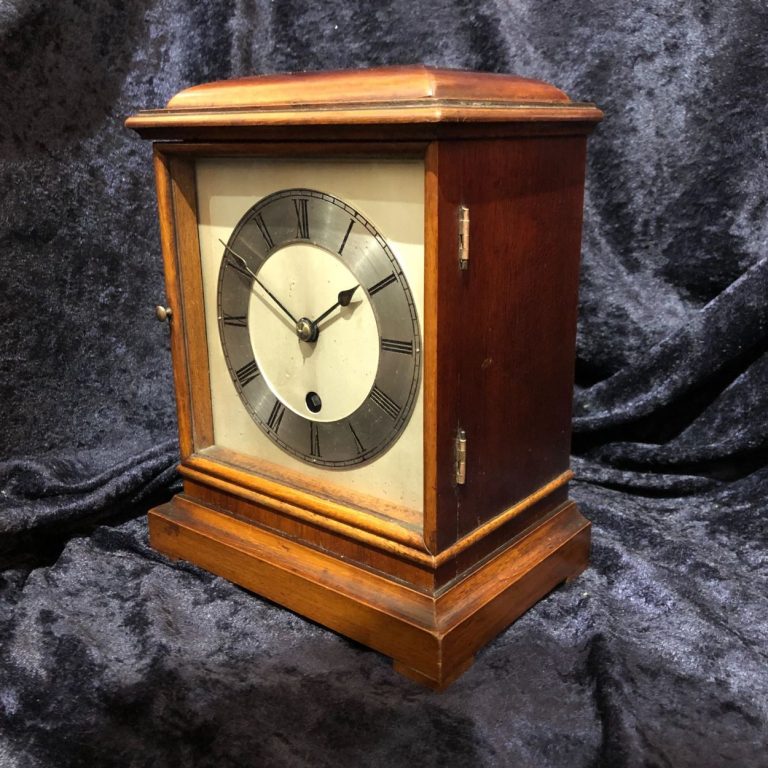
(353,527)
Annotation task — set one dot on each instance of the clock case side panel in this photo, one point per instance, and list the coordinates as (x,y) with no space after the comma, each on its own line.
(177,207)
(505,338)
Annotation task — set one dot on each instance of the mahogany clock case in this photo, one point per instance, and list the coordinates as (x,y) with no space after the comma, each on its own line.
(498,352)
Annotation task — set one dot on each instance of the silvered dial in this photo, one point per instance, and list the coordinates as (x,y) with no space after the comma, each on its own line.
(318,328)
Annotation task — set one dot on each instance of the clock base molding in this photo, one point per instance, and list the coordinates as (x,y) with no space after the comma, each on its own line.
(431,635)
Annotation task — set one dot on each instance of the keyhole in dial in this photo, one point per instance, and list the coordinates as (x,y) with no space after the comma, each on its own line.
(314,403)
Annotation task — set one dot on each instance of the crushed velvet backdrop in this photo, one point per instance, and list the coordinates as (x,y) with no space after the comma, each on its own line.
(656,656)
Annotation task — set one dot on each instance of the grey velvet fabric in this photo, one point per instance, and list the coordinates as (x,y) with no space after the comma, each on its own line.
(656,656)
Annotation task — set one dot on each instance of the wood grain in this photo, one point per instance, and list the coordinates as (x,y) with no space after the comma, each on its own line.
(323,495)
(164,184)
(294,149)
(432,638)
(429,357)
(507,325)
(358,535)
(376,85)
(387,96)
(187,245)
(406,125)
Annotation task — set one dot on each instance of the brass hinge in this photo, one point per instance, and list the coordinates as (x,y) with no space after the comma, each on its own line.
(463,237)
(461,457)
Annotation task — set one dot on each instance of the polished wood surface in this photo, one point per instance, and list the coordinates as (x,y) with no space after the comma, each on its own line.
(364,511)
(407,125)
(430,345)
(187,244)
(432,637)
(178,335)
(379,85)
(360,535)
(387,96)
(507,324)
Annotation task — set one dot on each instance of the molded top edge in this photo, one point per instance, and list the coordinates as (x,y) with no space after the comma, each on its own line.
(382,85)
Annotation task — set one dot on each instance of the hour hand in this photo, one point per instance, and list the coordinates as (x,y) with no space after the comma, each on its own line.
(344,299)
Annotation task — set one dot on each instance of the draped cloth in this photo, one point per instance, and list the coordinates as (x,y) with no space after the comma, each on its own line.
(656,656)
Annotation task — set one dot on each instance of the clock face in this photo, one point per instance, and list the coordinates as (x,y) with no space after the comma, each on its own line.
(340,413)
(318,327)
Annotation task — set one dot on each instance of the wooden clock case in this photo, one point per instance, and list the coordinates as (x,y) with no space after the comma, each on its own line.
(507,153)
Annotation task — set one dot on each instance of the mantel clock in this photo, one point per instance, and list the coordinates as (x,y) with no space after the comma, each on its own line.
(372,292)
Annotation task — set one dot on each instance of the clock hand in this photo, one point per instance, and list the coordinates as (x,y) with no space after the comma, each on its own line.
(307,329)
(256,279)
(344,298)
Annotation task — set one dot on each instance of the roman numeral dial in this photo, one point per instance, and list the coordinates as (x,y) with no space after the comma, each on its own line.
(300,273)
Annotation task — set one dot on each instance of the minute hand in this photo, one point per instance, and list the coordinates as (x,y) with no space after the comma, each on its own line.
(263,287)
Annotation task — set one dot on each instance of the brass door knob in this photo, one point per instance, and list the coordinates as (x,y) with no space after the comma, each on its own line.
(163,313)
